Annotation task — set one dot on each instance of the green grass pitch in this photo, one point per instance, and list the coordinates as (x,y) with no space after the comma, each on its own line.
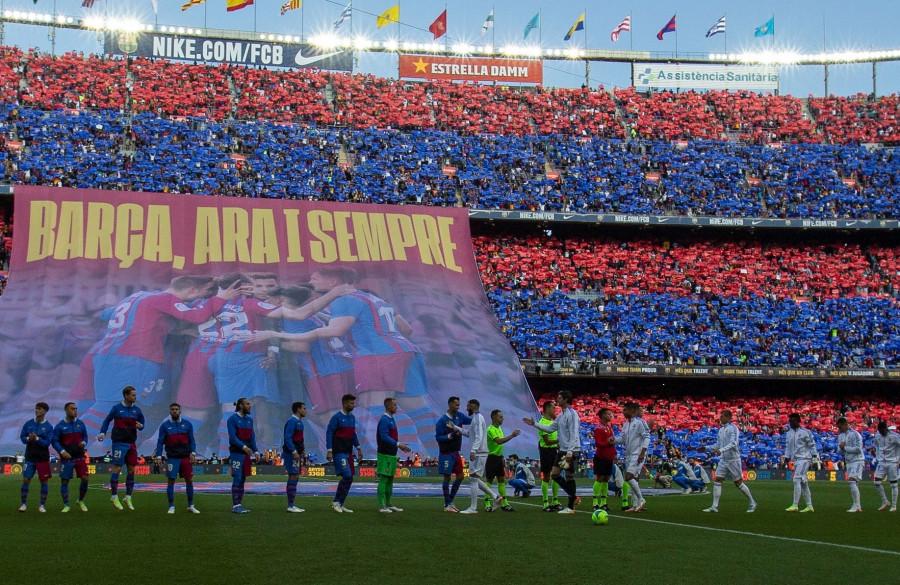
(673,542)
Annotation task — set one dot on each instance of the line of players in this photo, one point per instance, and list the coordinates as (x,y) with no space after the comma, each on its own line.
(559,447)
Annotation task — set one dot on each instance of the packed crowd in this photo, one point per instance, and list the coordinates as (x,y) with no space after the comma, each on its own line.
(686,426)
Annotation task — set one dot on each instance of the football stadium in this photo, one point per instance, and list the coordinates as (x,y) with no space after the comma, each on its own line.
(535,289)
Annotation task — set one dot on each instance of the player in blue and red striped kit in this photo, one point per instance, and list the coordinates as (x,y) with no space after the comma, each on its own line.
(242,452)
(293,450)
(37,436)
(340,438)
(70,441)
(176,434)
(127,419)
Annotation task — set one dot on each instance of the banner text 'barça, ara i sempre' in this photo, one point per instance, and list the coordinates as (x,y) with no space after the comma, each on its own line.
(202,301)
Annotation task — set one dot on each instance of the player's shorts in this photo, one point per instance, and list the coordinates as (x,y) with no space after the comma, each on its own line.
(386,465)
(42,468)
(291,466)
(633,465)
(325,391)
(573,463)
(476,466)
(343,465)
(886,470)
(729,470)
(381,372)
(238,374)
(176,468)
(73,467)
(602,467)
(124,454)
(801,467)
(855,470)
(241,465)
(548,459)
(449,463)
(113,372)
(495,468)
(197,388)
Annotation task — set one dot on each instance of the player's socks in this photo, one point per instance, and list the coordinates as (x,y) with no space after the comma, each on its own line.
(64,492)
(854,493)
(389,491)
(455,488)
(878,488)
(291,490)
(894,494)
(114,484)
(626,494)
(170,493)
(554,487)
(746,491)
(807,495)
(24,493)
(445,488)
(45,488)
(82,491)
(343,488)
(596,490)
(189,491)
(717,493)
(544,492)
(473,492)
(572,491)
(636,496)
(129,484)
(237,491)
(604,490)
(382,491)
(501,489)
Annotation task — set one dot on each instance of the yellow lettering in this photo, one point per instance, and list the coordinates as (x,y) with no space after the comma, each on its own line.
(129,245)
(98,241)
(158,236)
(207,236)
(321,249)
(292,226)
(427,238)
(41,223)
(236,232)
(343,236)
(265,240)
(447,244)
(372,240)
(402,234)
(70,231)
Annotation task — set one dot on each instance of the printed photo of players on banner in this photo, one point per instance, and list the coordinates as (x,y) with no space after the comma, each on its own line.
(202,301)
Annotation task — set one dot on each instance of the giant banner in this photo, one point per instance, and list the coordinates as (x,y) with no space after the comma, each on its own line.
(202,301)
(254,53)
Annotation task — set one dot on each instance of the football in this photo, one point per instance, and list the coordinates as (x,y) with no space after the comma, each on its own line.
(600,517)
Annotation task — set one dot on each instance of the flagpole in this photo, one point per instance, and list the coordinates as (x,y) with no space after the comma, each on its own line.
(725,33)
(540,27)
(493,30)
(205,7)
(676,35)
(587,63)
(302,21)
(630,34)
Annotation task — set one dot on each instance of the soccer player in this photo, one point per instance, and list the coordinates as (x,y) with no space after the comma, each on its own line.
(728,448)
(887,454)
(548,444)
(37,436)
(242,451)
(567,425)
(70,441)
(293,450)
(386,465)
(495,466)
(340,438)
(127,419)
(176,434)
(850,444)
(449,445)
(604,457)
(635,436)
(800,447)
(477,433)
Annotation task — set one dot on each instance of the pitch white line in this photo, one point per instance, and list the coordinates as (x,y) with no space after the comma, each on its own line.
(743,533)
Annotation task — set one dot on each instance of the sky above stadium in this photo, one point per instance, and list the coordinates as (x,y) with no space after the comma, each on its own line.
(804,26)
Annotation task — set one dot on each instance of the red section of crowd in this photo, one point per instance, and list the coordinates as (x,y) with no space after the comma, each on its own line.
(756,415)
(363,101)
(737,269)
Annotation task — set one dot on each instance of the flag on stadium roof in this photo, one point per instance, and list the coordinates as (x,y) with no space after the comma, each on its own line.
(670,27)
(534,23)
(488,23)
(390,15)
(717,28)
(766,29)
(290,5)
(624,26)
(579,25)
(345,14)
(155,5)
(232,5)
(439,27)
(86,3)
(190,3)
